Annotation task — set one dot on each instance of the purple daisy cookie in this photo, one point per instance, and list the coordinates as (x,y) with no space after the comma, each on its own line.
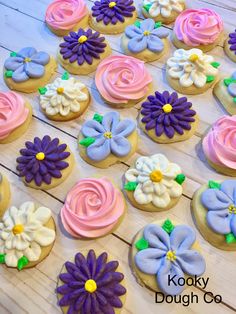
(91,285)
(232,41)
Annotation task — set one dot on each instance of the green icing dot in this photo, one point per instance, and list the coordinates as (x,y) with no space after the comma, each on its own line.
(230,238)
(214,185)
(180,178)
(65,76)
(13,54)
(234,99)
(215,64)
(2,258)
(98,117)
(210,78)
(168,226)
(228,81)
(42,90)
(87,141)
(141,244)
(147,7)
(22,262)
(158,24)
(130,186)
(8,73)
(137,23)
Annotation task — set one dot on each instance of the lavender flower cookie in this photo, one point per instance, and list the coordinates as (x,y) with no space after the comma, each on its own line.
(145,40)
(214,212)
(107,139)
(82,51)
(230,46)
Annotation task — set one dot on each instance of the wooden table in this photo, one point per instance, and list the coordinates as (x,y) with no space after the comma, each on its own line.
(33,290)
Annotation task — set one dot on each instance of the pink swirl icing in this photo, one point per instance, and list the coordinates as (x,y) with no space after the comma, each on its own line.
(13,113)
(198,27)
(122,78)
(65,14)
(219,144)
(92,208)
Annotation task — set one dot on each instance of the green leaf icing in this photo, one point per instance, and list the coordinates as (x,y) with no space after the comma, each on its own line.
(230,238)
(215,64)
(87,141)
(180,178)
(228,81)
(234,99)
(141,244)
(214,185)
(42,90)
(137,23)
(147,7)
(158,24)
(210,78)
(13,54)
(22,262)
(130,186)
(2,258)
(98,117)
(168,226)
(8,73)
(65,76)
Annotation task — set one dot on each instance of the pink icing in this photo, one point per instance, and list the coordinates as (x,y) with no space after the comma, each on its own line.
(13,113)
(122,78)
(65,14)
(92,208)
(198,27)
(219,144)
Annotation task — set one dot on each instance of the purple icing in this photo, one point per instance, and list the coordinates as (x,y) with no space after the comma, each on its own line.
(85,51)
(178,120)
(43,170)
(232,41)
(114,14)
(105,298)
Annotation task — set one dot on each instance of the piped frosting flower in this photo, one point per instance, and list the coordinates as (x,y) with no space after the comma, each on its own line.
(163,7)
(232,41)
(230,83)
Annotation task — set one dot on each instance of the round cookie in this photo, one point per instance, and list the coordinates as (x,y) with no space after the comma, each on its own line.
(106,140)
(64,16)
(145,40)
(133,85)
(153,183)
(191,72)
(93,208)
(65,99)
(164,11)
(28,69)
(82,51)
(166,118)
(230,46)
(5,194)
(26,243)
(198,28)
(94,268)
(219,146)
(162,249)
(15,116)
(213,209)
(44,163)
(112,17)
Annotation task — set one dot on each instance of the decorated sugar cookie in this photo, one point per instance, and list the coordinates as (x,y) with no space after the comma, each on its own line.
(153,183)
(198,28)
(112,17)
(44,163)
(82,51)
(64,16)
(167,118)
(165,11)
(15,116)
(93,208)
(101,280)
(27,235)
(28,69)
(5,194)
(164,249)
(65,99)
(214,211)
(191,71)
(107,139)
(219,145)
(230,46)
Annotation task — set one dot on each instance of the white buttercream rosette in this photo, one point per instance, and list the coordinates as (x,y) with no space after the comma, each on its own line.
(164,7)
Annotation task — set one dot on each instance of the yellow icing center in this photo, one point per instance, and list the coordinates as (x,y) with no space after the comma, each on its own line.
(107,135)
(90,285)
(146,33)
(82,39)
(27,60)
(112,4)
(60,90)
(193,57)
(17,229)
(156,176)
(40,156)
(167,108)
(170,255)
(232,209)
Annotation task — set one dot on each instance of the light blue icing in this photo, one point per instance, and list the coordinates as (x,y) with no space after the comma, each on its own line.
(27,64)
(154,261)
(138,41)
(103,146)
(232,89)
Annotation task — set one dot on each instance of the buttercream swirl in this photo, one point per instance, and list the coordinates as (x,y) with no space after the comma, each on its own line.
(219,144)
(92,208)
(122,78)
(65,14)
(13,113)
(198,27)
(163,7)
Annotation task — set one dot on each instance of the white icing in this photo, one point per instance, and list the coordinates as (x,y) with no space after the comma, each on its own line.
(191,72)
(159,193)
(33,236)
(69,101)
(164,7)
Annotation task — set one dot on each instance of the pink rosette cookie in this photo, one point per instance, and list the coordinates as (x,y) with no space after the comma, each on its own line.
(123,81)
(200,28)
(63,16)
(219,145)
(92,208)
(15,116)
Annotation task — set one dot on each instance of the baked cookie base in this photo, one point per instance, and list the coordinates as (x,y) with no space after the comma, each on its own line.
(5,194)
(231,54)
(221,93)
(222,169)
(160,18)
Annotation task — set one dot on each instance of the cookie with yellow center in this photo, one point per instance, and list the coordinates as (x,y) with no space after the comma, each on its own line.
(5,193)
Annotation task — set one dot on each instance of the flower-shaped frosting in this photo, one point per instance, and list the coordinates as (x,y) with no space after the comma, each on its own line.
(22,233)
(112,12)
(108,136)
(192,67)
(169,255)
(42,160)
(232,41)
(168,114)
(82,46)
(26,64)
(91,285)
(155,182)
(146,35)
(230,83)
(163,7)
